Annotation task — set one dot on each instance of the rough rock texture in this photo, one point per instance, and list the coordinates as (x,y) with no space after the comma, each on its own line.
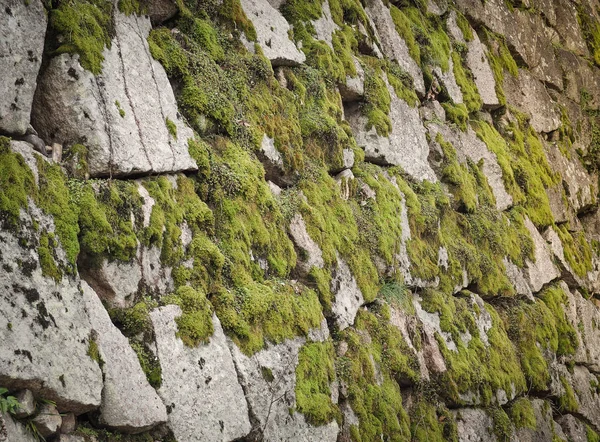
(273,162)
(348,297)
(405,146)
(303,241)
(217,409)
(392,44)
(545,429)
(121,115)
(272,33)
(324,25)
(474,425)
(129,403)
(22,31)
(13,431)
(543,270)
(448,81)
(26,404)
(354,88)
(48,420)
(161,10)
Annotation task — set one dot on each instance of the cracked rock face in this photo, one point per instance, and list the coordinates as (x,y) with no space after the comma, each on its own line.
(199,385)
(22,32)
(120,115)
(348,297)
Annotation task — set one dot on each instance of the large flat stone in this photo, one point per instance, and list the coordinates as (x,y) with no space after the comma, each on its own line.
(22,33)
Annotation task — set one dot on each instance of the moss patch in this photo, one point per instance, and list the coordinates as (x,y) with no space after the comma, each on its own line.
(195,324)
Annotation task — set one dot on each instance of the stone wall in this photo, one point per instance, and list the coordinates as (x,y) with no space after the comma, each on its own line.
(288,220)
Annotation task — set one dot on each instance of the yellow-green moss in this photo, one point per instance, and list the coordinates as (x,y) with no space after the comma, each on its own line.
(591,31)
(464,79)
(404,28)
(195,323)
(171,127)
(500,60)
(46,255)
(429,423)
(377,101)
(522,414)
(503,427)
(86,28)
(272,311)
(567,403)
(576,249)
(314,374)
(464,26)
(457,114)
(16,184)
(556,300)
(93,352)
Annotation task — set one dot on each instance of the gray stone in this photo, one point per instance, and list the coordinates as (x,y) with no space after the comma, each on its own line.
(269,382)
(120,115)
(474,425)
(574,429)
(483,75)
(47,420)
(543,270)
(272,33)
(567,273)
(22,33)
(44,316)
(324,25)
(531,97)
(313,256)
(200,385)
(448,81)
(273,162)
(13,431)
(129,403)
(392,45)
(74,438)
(354,88)
(568,27)
(69,423)
(348,297)
(161,10)
(431,325)
(405,146)
(437,7)
(26,404)
(517,279)
(546,429)
(580,76)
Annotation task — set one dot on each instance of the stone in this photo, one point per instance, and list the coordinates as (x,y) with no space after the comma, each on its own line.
(516,277)
(469,146)
(574,429)
(120,115)
(437,7)
(483,75)
(69,423)
(348,297)
(474,425)
(568,28)
(272,33)
(448,81)
(13,431)
(431,325)
(531,97)
(161,10)
(392,45)
(44,327)
(199,385)
(269,382)
(354,88)
(542,270)
(580,379)
(129,403)
(22,35)
(72,438)
(311,254)
(325,26)
(26,404)
(580,76)
(273,163)
(546,429)
(48,420)
(405,146)
(567,273)
(408,326)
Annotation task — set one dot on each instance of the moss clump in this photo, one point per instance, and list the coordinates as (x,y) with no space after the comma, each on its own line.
(195,324)
(378,361)
(464,79)
(16,184)
(404,28)
(171,127)
(378,100)
(576,249)
(272,311)
(464,26)
(86,28)
(46,255)
(556,300)
(149,363)
(129,7)
(430,423)
(402,83)
(591,31)
(522,414)
(503,428)
(457,114)
(567,403)
(501,60)
(93,352)
(314,374)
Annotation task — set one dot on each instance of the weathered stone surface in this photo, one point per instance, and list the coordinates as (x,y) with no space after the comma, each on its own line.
(580,379)
(531,97)
(273,162)
(48,420)
(478,63)
(467,145)
(271,397)
(129,403)
(546,429)
(272,33)
(543,270)
(120,115)
(354,88)
(12,431)
(324,25)
(310,250)
(448,81)
(574,429)
(44,316)
(73,438)
(200,385)
(580,76)
(22,33)
(405,146)
(516,277)
(568,27)
(26,404)
(474,425)
(69,423)
(348,297)
(161,10)
(431,325)
(392,45)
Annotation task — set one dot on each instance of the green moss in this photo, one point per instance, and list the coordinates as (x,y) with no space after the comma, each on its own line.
(120,109)
(503,428)
(46,255)
(149,363)
(130,7)
(556,300)
(464,79)
(134,320)
(457,114)
(576,249)
(404,28)
(232,10)
(195,323)
(77,160)
(93,352)
(272,311)
(591,31)
(591,435)
(16,184)
(429,423)
(377,101)
(86,28)
(402,83)
(567,403)
(464,26)
(501,60)
(314,374)
(204,34)
(522,414)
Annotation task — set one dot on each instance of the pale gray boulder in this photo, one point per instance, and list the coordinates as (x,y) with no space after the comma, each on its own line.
(121,115)
(22,33)
(542,270)
(129,403)
(347,295)
(474,425)
(26,404)
(48,420)
(199,385)
(13,431)
(310,250)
